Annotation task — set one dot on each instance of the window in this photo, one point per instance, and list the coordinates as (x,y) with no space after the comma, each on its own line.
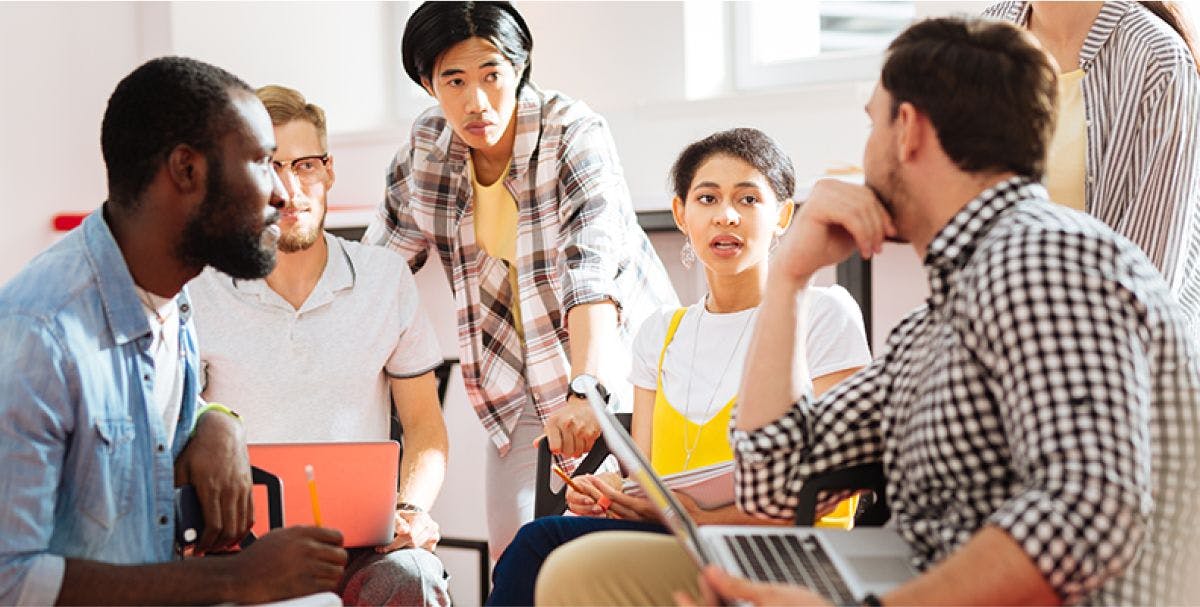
(780,43)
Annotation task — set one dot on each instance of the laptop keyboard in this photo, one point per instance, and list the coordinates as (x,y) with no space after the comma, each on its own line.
(790,559)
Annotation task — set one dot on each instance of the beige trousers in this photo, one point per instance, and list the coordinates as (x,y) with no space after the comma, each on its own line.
(617,568)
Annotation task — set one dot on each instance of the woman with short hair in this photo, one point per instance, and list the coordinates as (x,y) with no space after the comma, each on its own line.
(733,198)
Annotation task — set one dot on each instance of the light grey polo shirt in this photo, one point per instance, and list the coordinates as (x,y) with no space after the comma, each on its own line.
(321,372)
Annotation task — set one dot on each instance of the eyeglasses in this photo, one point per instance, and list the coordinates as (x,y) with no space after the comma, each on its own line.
(308,169)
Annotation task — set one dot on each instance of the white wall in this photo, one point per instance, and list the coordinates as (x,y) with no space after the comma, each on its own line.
(58,63)
(337,52)
(612,54)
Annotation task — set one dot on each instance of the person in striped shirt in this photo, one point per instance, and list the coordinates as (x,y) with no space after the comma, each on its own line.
(1127,145)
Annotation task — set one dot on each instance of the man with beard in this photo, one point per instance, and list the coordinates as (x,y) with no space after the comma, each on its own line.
(99,415)
(1037,420)
(321,348)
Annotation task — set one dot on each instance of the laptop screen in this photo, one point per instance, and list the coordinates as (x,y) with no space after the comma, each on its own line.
(621,444)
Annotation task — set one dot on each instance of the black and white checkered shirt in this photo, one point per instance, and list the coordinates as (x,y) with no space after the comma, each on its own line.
(1048,387)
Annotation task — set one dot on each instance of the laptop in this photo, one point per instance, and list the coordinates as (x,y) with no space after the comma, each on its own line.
(843,566)
(356,487)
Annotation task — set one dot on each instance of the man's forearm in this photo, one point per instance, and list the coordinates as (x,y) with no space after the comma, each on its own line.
(991,569)
(285,563)
(423,467)
(592,328)
(199,581)
(776,372)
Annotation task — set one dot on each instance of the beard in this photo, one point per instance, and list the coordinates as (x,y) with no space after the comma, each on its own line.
(222,235)
(300,238)
(888,193)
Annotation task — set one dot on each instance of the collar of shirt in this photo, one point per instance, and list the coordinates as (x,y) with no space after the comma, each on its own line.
(118,293)
(339,275)
(1102,28)
(957,240)
(452,150)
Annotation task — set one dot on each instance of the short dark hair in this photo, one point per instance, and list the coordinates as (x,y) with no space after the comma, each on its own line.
(164,103)
(750,145)
(436,26)
(987,87)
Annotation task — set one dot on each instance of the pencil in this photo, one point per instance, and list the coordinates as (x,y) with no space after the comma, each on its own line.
(312,493)
(566,479)
(603,501)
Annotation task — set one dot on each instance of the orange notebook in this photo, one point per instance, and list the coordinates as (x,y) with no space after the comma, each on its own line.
(356,487)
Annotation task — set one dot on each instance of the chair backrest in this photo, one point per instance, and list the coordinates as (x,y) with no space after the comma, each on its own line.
(274,487)
(866,476)
(274,494)
(547,501)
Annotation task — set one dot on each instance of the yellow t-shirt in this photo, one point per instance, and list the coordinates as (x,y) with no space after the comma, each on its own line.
(1066,163)
(496,230)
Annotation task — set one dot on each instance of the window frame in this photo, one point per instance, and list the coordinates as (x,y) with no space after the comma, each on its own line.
(825,68)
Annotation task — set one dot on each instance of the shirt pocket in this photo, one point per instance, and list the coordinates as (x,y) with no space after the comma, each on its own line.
(108,496)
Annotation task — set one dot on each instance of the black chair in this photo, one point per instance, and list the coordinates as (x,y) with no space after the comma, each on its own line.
(442,372)
(873,510)
(548,502)
(274,487)
(258,476)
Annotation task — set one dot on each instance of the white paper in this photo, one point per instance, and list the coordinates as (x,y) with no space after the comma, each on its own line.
(711,486)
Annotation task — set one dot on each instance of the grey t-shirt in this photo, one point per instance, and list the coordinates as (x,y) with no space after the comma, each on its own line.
(321,372)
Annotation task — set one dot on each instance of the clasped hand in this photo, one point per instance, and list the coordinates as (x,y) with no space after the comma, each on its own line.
(572,429)
(602,495)
(413,529)
(215,462)
(836,219)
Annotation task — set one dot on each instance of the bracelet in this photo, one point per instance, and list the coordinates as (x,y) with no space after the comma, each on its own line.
(871,600)
(217,407)
(407,507)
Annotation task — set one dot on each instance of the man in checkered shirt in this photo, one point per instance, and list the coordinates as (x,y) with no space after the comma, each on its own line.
(1038,419)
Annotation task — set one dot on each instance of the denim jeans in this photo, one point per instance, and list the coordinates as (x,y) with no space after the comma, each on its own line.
(517,570)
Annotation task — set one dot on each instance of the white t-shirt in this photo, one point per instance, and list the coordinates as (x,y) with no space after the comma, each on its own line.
(319,373)
(163,314)
(713,366)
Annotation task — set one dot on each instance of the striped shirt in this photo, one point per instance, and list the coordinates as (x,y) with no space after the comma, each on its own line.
(578,242)
(1141,96)
(1047,388)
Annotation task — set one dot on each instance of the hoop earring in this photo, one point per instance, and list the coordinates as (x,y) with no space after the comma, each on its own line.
(687,255)
(774,245)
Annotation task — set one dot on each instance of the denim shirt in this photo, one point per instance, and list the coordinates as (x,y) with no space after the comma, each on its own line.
(84,470)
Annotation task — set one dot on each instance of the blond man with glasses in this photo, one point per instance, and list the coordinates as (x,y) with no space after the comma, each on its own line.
(321,348)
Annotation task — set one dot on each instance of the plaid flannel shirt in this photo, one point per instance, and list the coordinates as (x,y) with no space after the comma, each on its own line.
(1048,387)
(578,242)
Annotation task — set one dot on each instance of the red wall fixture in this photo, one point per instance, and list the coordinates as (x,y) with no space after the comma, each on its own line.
(65,222)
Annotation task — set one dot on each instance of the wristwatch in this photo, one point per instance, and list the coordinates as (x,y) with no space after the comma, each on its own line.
(407,507)
(578,386)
